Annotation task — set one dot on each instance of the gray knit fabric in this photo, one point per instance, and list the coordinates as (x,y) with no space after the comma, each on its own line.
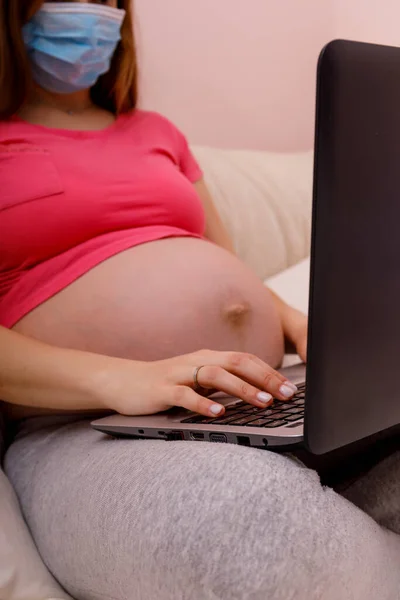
(144,520)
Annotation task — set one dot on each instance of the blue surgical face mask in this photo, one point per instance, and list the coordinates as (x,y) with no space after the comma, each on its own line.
(71,44)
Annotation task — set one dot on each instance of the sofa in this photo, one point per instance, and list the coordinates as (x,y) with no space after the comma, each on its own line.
(265,201)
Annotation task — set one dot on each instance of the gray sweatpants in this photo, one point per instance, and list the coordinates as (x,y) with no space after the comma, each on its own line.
(144,520)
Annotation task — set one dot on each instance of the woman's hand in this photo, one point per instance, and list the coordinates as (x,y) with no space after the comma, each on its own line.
(300,340)
(294,325)
(138,388)
(296,331)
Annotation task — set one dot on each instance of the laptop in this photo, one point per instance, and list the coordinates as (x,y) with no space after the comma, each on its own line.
(352,376)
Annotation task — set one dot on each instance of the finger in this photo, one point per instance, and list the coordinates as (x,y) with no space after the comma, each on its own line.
(285,381)
(263,365)
(216,377)
(254,371)
(185,397)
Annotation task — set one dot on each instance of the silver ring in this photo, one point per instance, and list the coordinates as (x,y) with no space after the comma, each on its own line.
(196,386)
(199,389)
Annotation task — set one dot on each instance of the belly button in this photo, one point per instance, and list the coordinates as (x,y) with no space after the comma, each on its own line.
(236,313)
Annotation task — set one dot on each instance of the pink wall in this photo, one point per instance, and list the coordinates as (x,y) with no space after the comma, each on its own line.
(368,20)
(233,73)
(241,73)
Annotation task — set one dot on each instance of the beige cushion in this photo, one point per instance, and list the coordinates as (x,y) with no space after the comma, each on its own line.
(265,201)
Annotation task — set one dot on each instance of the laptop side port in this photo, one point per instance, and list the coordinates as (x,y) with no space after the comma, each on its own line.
(196,435)
(220,438)
(174,435)
(243,440)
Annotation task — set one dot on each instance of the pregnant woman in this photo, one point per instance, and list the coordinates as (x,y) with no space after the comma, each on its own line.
(115,273)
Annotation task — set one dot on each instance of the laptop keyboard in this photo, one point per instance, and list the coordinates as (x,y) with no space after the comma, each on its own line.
(276,415)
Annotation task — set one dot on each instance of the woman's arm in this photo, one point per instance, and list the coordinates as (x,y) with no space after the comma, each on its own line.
(36,375)
(215,229)
(294,323)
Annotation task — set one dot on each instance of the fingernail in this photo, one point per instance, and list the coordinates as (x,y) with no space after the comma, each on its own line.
(216,409)
(292,385)
(286,391)
(264,397)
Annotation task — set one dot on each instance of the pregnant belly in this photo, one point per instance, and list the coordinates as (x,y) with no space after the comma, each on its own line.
(161,299)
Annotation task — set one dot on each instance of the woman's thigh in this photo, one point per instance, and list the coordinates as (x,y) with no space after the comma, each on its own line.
(377,492)
(135,520)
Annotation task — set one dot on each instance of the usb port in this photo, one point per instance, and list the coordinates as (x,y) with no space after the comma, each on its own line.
(196,435)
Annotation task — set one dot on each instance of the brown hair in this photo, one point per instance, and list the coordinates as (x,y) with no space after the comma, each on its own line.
(115,91)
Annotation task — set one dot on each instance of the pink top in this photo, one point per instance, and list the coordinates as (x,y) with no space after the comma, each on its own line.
(71,199)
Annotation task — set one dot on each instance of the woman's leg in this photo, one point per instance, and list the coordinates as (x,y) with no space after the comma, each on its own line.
(378,492)
(143,520)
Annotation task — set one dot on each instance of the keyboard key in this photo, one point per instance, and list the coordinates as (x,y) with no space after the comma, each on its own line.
(191,420)
(233,413)
(288,407)
(199,419)
(258,411)
(299,410)
(294,417)
(260,423)
(266,412)
(236,408)
(275,424)
(251,410)
(245,420)
(225,419)
(278,415)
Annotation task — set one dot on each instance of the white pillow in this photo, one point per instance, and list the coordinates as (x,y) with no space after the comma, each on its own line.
(264,199)
(293,285)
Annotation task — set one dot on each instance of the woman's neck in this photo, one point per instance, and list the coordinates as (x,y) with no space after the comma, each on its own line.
(77,102)
(65,111)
